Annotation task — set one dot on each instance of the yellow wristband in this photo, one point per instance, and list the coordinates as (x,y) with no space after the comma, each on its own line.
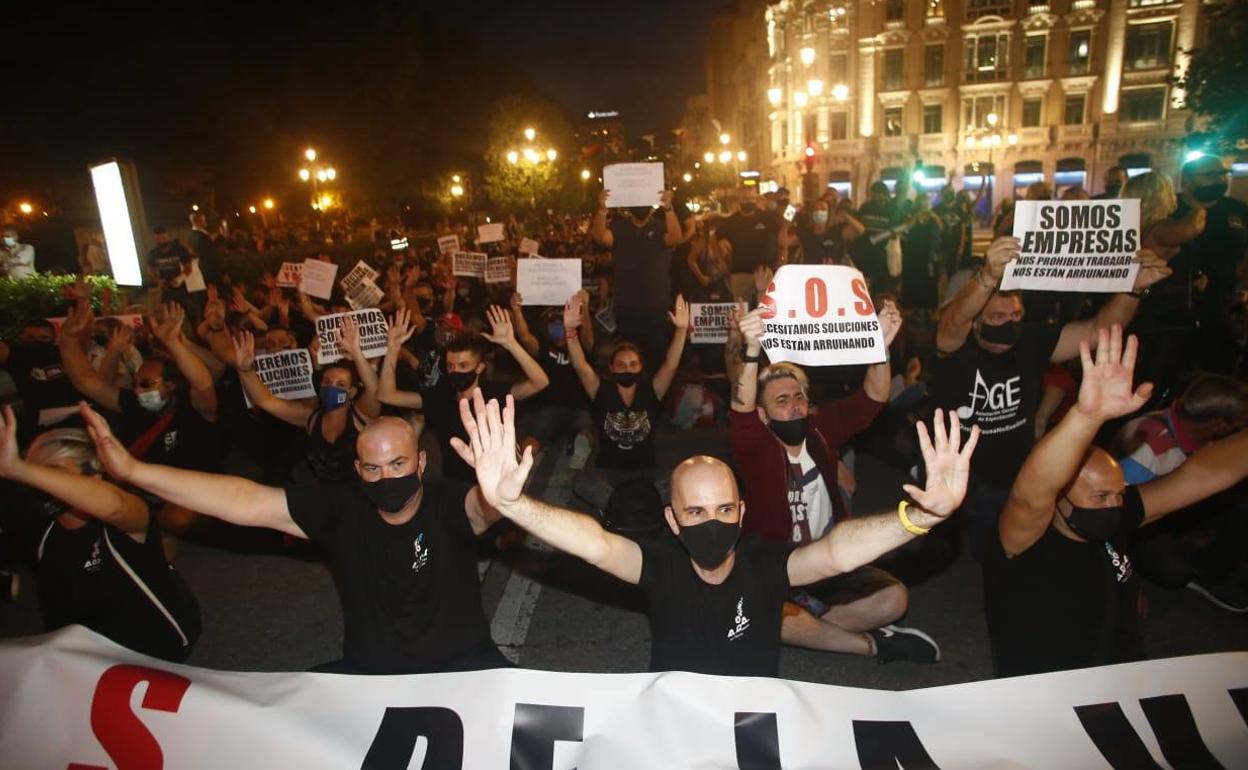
(910,526)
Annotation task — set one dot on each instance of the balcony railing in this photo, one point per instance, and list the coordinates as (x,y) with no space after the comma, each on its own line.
(903,143)
(1080,132)
(936,142)
(978,8)
(1034,135)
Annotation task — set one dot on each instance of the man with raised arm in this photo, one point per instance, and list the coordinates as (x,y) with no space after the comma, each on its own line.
(1059,591)
(401,548)
(715,598)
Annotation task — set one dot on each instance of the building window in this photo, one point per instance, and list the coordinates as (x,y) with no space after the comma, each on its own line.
(1148,46)
(1034,49)
(933,119)
(895,10)
(935,9)
(838,68)
(892,121)
(1143,104)
(893,69)
(975,111)
(978,8)
(1079,51)
(987,57)
(839,125)
(934,65)
(1032,109)
(1073,114)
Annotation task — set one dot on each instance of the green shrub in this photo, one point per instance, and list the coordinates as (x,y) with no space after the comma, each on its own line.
(42,296)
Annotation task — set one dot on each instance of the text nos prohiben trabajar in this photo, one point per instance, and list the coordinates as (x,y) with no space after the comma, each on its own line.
(808,336)
(1087,238)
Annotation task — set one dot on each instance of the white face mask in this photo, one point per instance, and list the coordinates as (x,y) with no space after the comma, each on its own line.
(151,400)
(819,216)
(10,241)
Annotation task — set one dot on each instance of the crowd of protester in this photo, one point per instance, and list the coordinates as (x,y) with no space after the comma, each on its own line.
(1055,430)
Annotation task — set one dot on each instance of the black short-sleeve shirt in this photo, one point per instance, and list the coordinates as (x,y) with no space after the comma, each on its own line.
(187,441)
(626,431)
(753,238)
(1063,604)
(999,393)
(441,410)
(731,629)
(411,595)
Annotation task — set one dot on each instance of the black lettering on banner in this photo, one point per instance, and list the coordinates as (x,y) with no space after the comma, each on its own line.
(1113,215)
(1046,217)
(1120,744)
(889,745)
(535,729)
(757,739)
(1175,727)
(395,742)
(1079,216)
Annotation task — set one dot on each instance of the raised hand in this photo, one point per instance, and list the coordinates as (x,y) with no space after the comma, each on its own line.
(245,350)
(400,331)
(500,323)
(78,290)
(751,326)
(762,278)
(665,198)
(77,320)
(890,322)
(603,198)
(948,467)
(1106,391)
(169,328)
(573,312)
(1152,269)
(350,340)
(1001,252)
(121,338)
(517,302)
(680,313)
(119,463)
(491,449)
(10,458)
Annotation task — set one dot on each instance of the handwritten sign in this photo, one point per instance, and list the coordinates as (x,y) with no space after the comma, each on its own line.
(448,244)
(372,327)
(491,233)
(287,374)
(709,321)
(498,270)
(529,246)
(548,281)
(633,184)
(317,279)
(289,274)
(821,315)
(1075,246)
(468,263)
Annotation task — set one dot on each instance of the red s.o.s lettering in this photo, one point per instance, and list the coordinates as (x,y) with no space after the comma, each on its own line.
(120,732)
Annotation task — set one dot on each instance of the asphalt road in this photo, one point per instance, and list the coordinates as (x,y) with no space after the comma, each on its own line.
(270,607)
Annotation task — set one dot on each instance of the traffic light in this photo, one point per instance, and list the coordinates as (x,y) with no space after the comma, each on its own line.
(810,157)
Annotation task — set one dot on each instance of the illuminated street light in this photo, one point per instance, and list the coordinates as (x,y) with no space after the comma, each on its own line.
(322,175)
(530,155)
(725,156)
(305,174)
(840,92)
(918,176)
(799,99)
(775,95)
(268,203)
(513,157)
(331,174)
(455,178)
(25,208)
(741,156)
(551,155)
(724,138)
(585,175)
(992,119)
(1011,139)
(808,56)
(530,134)
(251,209)
(814,87)
(970,142)
(709,157)
(1193,155)
(310,154)
(687,177)
(194,207)
(457,190)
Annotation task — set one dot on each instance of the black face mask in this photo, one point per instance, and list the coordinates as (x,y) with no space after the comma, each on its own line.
(461,381)
(1008,333)
(1094,524)
(627,379)
(791,432)
(425,304)
(639,212)
(710,542)
(390,495)
(1209,193)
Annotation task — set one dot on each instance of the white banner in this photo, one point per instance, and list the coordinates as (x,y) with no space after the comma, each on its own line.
(372,328)
(287,374)
(821,315)
(365,294)
(498,270)
(548,281)
(289,274)
(1075,246)
(709,321)
(448,244)
(491,233)
(317,279)
(469,264)
(73,699)
(633,184)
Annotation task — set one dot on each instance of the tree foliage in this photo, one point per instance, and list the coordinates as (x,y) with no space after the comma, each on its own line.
(549,185)
(1217,73)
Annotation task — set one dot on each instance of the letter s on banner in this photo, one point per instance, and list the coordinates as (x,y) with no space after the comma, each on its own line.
(120,732)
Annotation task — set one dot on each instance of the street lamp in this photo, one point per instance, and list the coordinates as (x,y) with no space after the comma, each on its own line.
(741,156)
(305,174)
(799,99)
(808,55)
(709,157)
(814,87)
(251,209)
(457,190)
(268,204)
(840,92)
(725,156)
(513,157)
(316,173)
(551,155)
(25,208)
(310,154)
(724,138)
(687,177)
(775,95)
(533,159)
(530,134)
(585,175)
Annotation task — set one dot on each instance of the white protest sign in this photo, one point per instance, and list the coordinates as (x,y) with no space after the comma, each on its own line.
(529,246)
(289,274)
(498,270)
(133,320)
(708,321)
(317,279)
(361,272)
(821,315)
(633,184)
(287,374)
(372,328)
(73,698)
(1075,246)
(448,244)
(365,294)
(468,263)
(548,281)
(490,233)
(195,279)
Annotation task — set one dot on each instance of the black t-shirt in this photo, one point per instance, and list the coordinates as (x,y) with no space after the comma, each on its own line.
(441,411)
(1062,604)
(565,387)
(40,378)
(753,240)
(643,272)
(1218,252)
(954,218)
(167,260)
(730,629)
(1000,393)
(826,248)
(100,577)
(626,431)
(411,595)
(186,441)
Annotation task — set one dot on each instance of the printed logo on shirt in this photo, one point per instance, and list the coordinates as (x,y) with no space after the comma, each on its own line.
(626,429)
(422,553)
(171,440)
(995,407)
(559,357)
(1122,564)
(1234,222)
(45,373)
(93,563)
(741,622)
